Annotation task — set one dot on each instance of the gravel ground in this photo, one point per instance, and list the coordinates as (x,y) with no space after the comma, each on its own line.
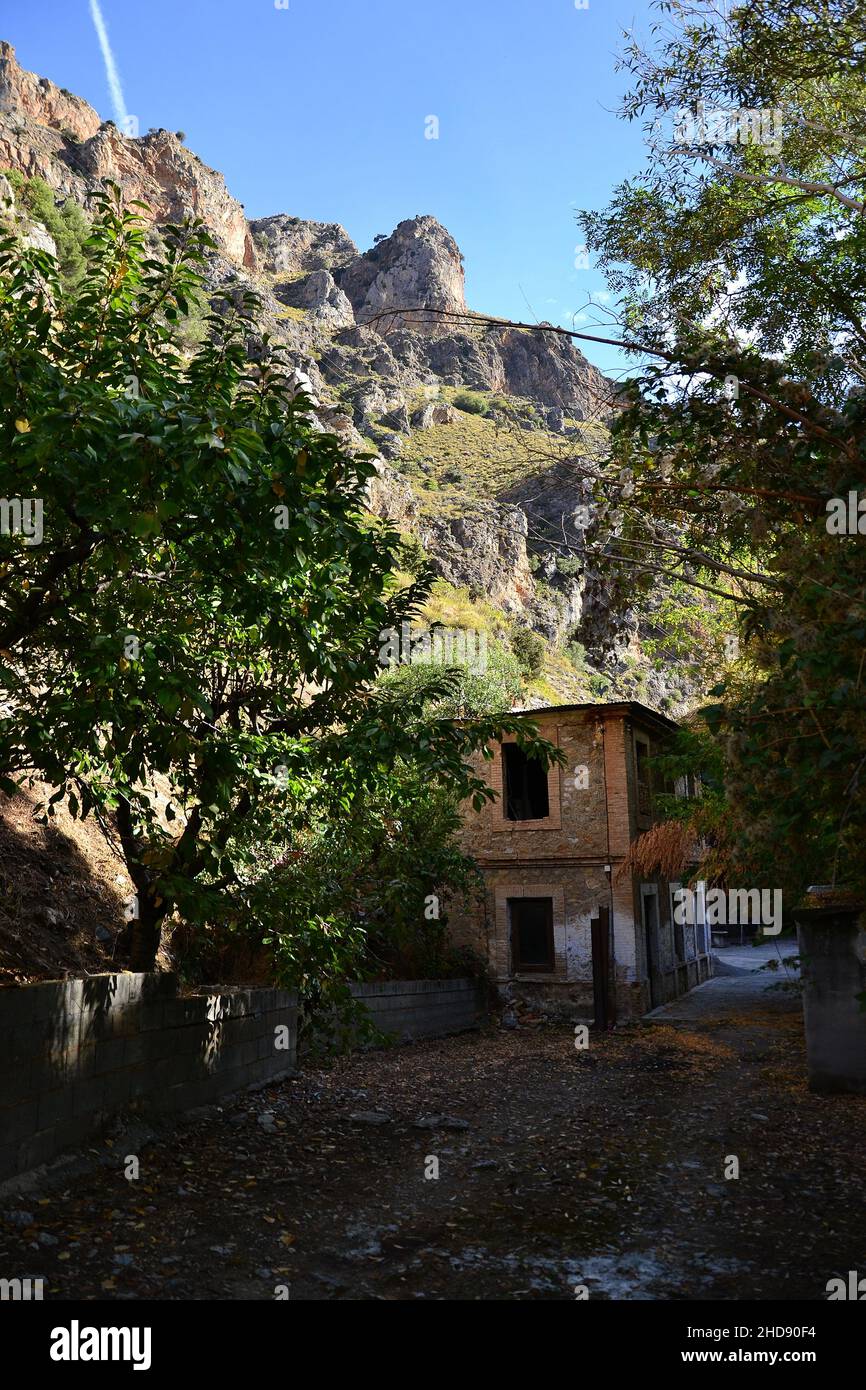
(557,1168)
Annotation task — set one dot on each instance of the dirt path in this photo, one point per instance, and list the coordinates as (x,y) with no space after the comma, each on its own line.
(557,1168)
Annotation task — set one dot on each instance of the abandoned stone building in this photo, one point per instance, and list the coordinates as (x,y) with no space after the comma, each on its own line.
(563,928)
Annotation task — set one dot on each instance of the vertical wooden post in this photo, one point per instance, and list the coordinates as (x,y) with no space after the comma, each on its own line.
(603,995)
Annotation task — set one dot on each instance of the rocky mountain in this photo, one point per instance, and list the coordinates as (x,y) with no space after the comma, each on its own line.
(418,258)
(479,429)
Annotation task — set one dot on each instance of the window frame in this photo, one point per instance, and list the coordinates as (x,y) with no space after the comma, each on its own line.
(643,785)
(510,751)
(499,822)
(518,966)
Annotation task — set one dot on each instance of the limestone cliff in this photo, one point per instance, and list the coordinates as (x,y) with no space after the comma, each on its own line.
(477,426)
(39,101)
(419,267)
(47,133)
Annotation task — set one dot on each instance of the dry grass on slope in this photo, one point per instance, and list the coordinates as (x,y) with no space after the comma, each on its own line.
(59,883)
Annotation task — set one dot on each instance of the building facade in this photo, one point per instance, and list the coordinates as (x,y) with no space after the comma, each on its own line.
(563,928)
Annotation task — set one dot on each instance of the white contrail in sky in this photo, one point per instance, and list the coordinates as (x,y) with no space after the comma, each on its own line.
(110,66)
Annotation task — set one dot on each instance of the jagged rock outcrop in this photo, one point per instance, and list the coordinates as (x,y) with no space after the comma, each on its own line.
(160,171)
(359,352)
(484,551)
(550,372)
(320,296)
(541,367)
(39,100)
(49,134)
(292,246)
(419,264)
(390,496)
(550,369)
(433,413)
(560,512)
(39,151)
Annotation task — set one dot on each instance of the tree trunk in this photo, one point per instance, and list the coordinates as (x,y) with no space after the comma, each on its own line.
(145,927)
(144,939)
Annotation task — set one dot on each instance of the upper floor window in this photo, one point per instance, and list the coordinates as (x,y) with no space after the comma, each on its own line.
(644,786)
(524,785)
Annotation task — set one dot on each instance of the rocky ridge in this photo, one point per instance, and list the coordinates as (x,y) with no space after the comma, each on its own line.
(394,382)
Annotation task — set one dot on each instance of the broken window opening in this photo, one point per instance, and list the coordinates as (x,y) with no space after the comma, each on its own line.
(525,779)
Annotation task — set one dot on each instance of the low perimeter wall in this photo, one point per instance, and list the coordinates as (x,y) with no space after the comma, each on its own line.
(76,1052)
(73,1053)
(411,1009)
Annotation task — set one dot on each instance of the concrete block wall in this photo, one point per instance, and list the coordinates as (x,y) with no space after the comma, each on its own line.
(832,945)
(411,1009)
(74,1053)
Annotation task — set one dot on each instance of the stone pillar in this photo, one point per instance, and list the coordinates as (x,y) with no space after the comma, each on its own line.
(832,945)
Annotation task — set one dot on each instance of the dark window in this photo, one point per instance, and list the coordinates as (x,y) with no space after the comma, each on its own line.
(531,933)
(525,785)
(644,790)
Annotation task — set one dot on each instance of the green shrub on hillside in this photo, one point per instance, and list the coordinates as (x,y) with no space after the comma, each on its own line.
(529,649)
(473,693)
(67,226)
(569,565)
(473,402)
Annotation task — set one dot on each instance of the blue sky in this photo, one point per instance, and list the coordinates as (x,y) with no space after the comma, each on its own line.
(319,110)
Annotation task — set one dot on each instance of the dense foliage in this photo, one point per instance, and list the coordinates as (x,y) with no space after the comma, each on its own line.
(66,225)
(740,261)
(191,652)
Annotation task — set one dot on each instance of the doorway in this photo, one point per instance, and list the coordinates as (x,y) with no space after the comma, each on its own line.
(649,903)
(604,997)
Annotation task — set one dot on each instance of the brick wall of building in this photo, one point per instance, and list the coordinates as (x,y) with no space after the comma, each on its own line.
(577,823)
(574,858)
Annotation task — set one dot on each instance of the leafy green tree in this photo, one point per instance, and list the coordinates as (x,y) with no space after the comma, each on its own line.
(363,891)
(192,648)
(364,887)
(360,885)
(739,260)
(466,691)
(67,225)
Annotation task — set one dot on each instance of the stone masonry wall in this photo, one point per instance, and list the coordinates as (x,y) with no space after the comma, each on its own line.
(573,856)
(563,856)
